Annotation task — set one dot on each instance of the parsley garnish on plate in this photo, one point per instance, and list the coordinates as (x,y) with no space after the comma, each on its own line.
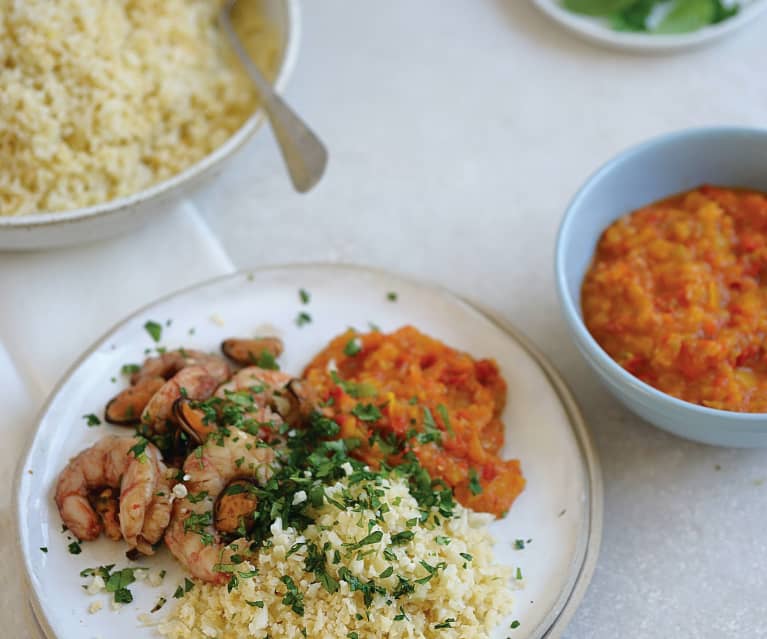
(92,420)
(267,361)
(474,486)
(303,318)
(304,296)
(353,347)
(154,329)
(366,412)
(129,369)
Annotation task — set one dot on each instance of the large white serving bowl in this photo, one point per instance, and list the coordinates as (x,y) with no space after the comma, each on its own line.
(595,30)
(46,230)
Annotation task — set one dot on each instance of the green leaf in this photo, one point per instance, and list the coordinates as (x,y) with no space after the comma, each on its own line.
(597,7)
(686,16)
(92,420)
(366,412)
(303,318)
(129,369)
(154,329)
(267,361)
(474,486)
(353,346)
(722,12)
(634,18)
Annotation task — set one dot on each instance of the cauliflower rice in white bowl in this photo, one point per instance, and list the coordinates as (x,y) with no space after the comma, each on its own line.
(99,170)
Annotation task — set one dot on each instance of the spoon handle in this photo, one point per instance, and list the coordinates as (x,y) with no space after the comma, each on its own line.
(304,153)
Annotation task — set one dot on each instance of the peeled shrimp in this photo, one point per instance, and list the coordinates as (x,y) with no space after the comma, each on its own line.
(110,463)
(210,468)
(280,397)
(260,382)
(169,363)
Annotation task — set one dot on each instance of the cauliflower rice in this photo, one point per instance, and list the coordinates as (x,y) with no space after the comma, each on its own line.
(465,597)
(100,100)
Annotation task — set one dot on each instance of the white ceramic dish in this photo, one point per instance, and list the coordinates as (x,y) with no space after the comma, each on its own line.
(595,30)
(124,214)
(561,509)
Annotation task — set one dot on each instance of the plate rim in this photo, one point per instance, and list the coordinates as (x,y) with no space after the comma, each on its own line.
(648,43)
(587,551)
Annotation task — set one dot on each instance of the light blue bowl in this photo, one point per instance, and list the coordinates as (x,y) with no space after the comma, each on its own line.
(664,166)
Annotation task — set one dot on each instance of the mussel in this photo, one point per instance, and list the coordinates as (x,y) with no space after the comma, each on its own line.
(125,409)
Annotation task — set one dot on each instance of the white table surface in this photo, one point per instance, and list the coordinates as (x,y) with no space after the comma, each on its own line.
(458,131)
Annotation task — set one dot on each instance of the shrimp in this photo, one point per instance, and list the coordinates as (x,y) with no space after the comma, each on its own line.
(192,382)
(129,463)
(126,408)
(169,363)
(280,397)
(191,535)
(260,382)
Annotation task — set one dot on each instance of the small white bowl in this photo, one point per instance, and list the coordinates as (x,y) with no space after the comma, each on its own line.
(595,29)
(46,230)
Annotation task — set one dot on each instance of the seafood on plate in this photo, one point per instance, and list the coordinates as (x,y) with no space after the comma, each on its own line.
(209,473)
(87,500)
(355,485)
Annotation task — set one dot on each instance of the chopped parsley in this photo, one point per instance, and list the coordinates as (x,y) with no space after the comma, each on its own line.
(442,410)
(518,574)
(130,369)
(92,420)
(304,296)
(372,538)
(267,361)
(139,449)
(198,497)
(358,390)
(519,544)
(74,548)
(514,625)
(474,486)
(391,296)
(303,318)
(255,604)
(401,538)
(352,347)
(293,597)
(154,329)
(366,412)
(117,582)
(184,588)
(447,623)
(44,548)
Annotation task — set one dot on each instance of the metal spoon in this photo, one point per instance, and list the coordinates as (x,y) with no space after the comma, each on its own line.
(304,154)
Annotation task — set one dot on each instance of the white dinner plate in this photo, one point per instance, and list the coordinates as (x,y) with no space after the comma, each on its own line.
(597,30)
(560,510)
